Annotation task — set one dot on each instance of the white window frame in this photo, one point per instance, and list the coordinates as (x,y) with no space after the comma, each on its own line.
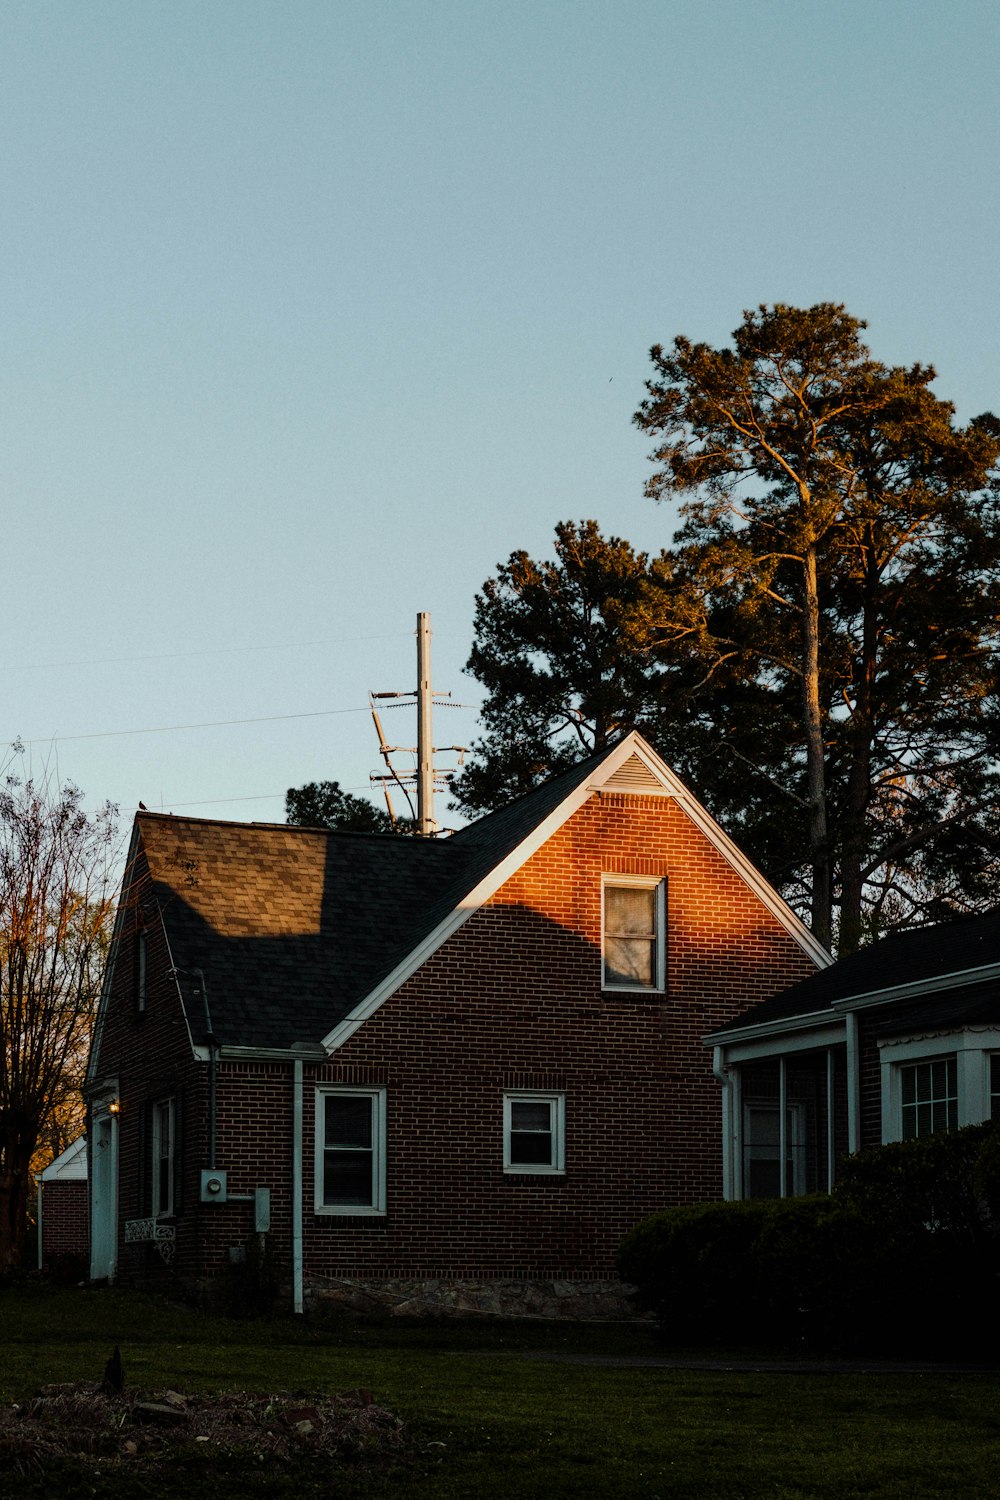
(657,884)
(556,1166)
(377,1100)
(971,1049)
(163,1207)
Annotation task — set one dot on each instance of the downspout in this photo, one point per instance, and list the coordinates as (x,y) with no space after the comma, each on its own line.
(38,1187)
(853,1084)
(783,1127)
(297,1297)
(725,1077)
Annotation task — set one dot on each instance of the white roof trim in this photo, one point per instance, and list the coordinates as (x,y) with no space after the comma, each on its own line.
(789,1043)
(632,745)
(763,1029)
(70,1166)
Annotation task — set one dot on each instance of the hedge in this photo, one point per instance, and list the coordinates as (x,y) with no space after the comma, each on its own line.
(904,1256)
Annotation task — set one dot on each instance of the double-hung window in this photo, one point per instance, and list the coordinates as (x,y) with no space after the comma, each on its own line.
(350,1151)
(534,1132)
(163,1138)
(634,927)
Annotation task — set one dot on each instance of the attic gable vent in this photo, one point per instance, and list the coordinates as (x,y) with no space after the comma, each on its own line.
(633,775)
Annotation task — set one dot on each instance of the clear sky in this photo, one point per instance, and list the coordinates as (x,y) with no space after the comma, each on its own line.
(315,310)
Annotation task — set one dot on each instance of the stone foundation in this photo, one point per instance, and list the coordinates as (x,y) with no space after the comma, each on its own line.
(582,1301)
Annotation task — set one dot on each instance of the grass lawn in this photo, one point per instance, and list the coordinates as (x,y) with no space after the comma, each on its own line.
(487,1421)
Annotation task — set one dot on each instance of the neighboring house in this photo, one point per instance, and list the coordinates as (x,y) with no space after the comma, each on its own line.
(433,1072)
(901,1039)
(63,1222)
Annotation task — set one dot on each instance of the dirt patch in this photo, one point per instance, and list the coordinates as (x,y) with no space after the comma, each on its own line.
(140,1430)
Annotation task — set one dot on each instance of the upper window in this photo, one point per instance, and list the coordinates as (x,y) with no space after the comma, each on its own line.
(534,1132)
(929,1097)
(163,1157)
(634,927)
(350,1151)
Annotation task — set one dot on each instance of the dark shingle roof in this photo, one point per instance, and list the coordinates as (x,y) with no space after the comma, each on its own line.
(920,956)
(292,927)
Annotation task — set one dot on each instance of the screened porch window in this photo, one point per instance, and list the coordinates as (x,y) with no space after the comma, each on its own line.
(793,1123)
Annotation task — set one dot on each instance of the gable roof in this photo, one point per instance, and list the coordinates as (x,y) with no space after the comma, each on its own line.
(70,1166)
(302,933)
(938,976)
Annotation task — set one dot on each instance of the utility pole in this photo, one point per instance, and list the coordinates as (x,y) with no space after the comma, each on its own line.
(426,825)
(424,778)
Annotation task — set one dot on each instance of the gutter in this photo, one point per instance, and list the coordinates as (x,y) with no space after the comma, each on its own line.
(730,1083)
(304,1051)
(771,1028)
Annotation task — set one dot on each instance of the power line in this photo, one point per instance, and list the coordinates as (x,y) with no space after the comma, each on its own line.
(257,797)
(110,661)
(108,734)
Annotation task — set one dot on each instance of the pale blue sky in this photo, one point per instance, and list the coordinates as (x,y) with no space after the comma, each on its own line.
(314,312)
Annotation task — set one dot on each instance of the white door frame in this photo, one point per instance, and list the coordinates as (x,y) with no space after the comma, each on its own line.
(103,1195)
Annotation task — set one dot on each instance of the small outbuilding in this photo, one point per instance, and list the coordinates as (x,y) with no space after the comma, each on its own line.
(63,1213)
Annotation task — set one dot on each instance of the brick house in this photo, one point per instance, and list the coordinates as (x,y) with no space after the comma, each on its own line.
(898,1040)
(63,1220)
(434,1073)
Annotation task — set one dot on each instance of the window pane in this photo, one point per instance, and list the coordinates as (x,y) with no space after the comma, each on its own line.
(628,961)
(532,1148)
(347,1178)
(629,911)
(531,1114)
(348,1120)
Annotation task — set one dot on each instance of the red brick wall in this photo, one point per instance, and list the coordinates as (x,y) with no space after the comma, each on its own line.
(64,1220)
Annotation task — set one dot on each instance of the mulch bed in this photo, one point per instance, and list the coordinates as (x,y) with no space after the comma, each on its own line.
(138,1431)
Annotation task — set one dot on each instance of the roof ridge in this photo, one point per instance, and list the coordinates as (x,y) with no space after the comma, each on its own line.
(148,814)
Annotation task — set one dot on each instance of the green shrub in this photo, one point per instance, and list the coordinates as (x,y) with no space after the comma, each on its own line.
(772,1270)
(903,1256)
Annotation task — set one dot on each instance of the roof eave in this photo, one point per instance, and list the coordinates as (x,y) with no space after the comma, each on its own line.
(806,1021)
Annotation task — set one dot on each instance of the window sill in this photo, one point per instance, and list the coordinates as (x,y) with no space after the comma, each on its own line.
(355,1211)
(634,989)
(534,1172)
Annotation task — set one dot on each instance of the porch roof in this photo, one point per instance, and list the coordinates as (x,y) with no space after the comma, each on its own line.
(921,968)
